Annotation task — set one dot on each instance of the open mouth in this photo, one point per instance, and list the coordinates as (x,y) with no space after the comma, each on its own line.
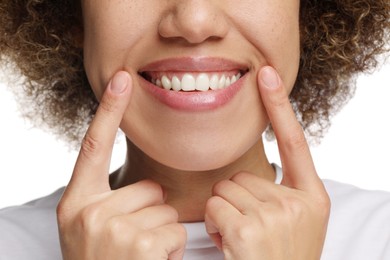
(194,84)
(192,81)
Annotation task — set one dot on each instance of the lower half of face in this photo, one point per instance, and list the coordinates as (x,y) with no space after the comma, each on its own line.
(195,103)
(196,140)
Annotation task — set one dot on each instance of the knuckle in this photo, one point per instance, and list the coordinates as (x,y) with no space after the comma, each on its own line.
(172,213)
(62,214)
(90,146)
(114,232)
(107,105)
(213,204)
(61,208)
(153,187)
(281,99)
(296,140)
(144,243)
(219,187)
(113,227)
(294,207)
(298,207)
(245,231)
(153,190)
(89,218)
(241,177)
(65,211)
(324,205)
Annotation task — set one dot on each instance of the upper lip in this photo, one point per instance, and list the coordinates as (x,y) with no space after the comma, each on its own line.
(194,64)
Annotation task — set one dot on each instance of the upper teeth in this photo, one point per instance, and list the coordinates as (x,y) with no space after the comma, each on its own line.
(201,82)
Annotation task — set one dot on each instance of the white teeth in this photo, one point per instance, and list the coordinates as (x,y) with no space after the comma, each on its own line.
(158,82)
(202,82)
(176,84)
(188,83)
(221,83)
(234,79)
(166,83)
(214,82)
(227,82)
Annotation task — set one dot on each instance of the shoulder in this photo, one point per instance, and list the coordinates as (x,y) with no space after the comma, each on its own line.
(348,200)
(29,231)
(359,226)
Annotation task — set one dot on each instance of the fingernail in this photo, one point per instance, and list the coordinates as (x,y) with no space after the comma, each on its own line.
(119,82)
(269,77)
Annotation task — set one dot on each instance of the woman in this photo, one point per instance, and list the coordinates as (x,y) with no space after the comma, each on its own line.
(193,85)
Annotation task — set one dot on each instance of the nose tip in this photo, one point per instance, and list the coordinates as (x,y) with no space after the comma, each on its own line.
(194,21)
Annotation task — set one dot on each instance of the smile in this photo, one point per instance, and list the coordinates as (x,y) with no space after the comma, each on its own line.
(198,81)
(193,84)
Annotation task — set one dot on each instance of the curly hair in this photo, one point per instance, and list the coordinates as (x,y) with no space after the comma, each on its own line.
(339,38)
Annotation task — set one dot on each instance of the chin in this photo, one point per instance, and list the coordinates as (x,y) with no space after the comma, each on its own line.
(203,156)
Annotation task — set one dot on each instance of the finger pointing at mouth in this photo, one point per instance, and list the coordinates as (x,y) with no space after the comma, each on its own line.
(94,159)
(298,167)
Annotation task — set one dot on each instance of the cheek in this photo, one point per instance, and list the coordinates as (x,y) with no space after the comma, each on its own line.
(111,30)
(274,33)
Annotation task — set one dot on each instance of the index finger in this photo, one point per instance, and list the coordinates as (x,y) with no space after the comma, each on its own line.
(90,174)
(298,167)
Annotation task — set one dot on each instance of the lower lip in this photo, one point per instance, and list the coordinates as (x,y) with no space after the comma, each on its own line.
(196,100)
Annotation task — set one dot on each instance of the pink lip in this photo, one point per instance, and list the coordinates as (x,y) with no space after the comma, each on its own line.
(194,64)
(194,101)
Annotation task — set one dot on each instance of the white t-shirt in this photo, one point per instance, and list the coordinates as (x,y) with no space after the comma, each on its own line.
(359,228)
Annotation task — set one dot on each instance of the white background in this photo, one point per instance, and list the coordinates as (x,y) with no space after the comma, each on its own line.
(356,149)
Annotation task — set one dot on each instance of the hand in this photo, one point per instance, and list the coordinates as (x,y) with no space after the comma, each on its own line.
(129,223)
(252,218)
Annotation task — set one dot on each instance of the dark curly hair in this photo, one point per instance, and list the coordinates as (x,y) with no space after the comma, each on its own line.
(339,38)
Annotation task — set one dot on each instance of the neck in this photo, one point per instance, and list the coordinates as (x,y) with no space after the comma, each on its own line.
(188,191)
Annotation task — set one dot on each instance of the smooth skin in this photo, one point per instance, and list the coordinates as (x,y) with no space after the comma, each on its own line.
(248,217)
(187,153)
(128,35)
